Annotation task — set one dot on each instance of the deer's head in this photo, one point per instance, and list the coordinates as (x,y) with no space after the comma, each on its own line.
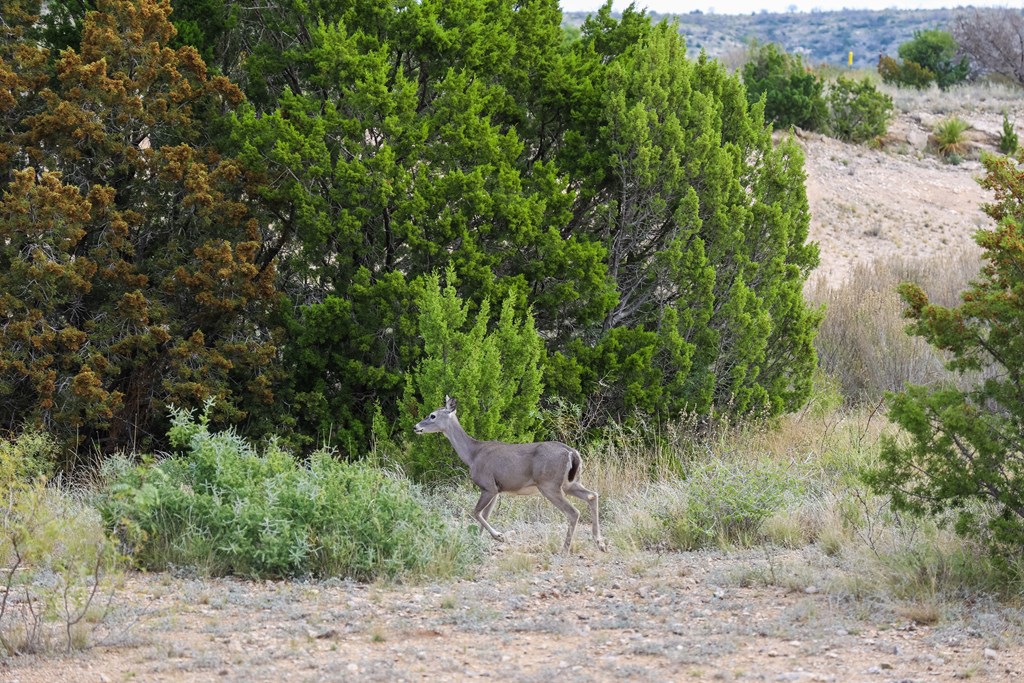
(438,420)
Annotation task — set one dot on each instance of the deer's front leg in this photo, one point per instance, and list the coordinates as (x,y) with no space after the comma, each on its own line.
(486,500)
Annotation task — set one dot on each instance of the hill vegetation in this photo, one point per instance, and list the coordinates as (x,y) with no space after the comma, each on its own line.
(818,37)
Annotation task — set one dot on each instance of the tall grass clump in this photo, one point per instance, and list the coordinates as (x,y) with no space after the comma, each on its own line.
(222,507)
(862,341)
(58,567)
(948,138)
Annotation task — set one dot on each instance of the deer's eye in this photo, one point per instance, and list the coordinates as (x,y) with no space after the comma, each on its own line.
(433,416)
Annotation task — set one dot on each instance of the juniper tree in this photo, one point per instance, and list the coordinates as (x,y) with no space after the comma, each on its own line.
(131,272)
(965,452)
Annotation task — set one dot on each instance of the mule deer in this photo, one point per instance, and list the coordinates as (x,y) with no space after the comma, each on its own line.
(550,468)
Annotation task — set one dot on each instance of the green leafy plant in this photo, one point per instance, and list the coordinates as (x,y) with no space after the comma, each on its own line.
(223,507)
(1008,139)
(937,52)
(905,75)
(857,111)
(962,449)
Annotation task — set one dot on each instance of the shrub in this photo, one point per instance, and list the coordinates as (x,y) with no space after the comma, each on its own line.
(224,508)
(948,138)
(962,451)
(793,95)
(857,111)
(494,374)
(1008,141)
(727,502)
(905,75)
(935,51)
(57,565)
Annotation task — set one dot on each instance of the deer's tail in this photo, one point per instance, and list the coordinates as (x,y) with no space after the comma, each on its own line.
(575,464)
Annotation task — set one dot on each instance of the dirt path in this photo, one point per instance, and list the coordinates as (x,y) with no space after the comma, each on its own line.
(591,617)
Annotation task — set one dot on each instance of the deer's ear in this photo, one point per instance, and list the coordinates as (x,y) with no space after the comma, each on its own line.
(449,403)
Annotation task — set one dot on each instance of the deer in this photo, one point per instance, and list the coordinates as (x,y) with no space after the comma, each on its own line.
(550,468)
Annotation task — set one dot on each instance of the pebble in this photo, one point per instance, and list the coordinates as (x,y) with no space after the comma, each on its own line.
(990,653)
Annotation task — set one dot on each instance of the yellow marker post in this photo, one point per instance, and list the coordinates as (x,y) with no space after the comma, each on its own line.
(850,60)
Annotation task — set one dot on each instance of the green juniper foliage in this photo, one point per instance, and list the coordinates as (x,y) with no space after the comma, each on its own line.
(963,451)
(494,373)
(1009,142)
(931,56)
(628,198)
(793,95)
(857,111)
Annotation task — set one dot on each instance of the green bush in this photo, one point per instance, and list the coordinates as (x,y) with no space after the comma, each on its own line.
(57,565)
(495,374)
(905,75)
(793,95)
(224,508)
(728,501)
(961,452)
(1008,140)
(857,111)
(935,51)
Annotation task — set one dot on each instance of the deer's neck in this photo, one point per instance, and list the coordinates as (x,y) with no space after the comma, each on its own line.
(465,445)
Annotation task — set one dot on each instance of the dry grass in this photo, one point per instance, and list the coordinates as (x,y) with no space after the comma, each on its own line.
(863,340)
(980,96)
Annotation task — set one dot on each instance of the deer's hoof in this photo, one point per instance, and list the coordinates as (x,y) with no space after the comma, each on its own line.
(500,537)
(602,546)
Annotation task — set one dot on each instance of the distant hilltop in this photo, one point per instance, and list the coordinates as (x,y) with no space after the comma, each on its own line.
(820,37)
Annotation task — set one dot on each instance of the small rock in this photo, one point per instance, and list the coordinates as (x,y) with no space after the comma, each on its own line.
(842,632)
(874,670)
(104,678)
(352,667)
(811,590)
(792,676)
(990,653)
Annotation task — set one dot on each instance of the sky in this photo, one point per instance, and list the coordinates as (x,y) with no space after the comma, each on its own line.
(748,6)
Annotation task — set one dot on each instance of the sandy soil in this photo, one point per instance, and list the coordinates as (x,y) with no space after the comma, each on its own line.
(621,615)
(531,617)
(901,199)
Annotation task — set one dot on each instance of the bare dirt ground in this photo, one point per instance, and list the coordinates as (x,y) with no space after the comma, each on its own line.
(902,199)
(532,617)
(623,615)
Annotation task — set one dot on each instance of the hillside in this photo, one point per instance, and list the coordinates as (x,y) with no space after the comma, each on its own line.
(822,37)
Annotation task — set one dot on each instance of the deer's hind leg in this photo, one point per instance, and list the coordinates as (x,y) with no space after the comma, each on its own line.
(482,509)
(558,499)
(577,489)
